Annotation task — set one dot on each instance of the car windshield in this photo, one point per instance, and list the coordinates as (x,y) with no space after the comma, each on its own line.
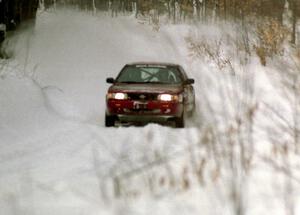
(150,74)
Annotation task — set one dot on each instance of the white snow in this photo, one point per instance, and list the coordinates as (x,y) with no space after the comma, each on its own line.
(56,156)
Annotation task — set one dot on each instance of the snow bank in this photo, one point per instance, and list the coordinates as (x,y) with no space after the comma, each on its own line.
(23,113)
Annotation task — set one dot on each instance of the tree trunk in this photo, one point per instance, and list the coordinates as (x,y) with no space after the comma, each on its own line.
(225,10)
(136,8)
(174,11)
(94,7)
(169,9)
(294,21)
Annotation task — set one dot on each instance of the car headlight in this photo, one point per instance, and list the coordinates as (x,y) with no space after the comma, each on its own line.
(118,96)
(165,97)
(169,97)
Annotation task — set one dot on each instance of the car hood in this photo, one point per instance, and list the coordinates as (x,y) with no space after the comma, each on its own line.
(146,88)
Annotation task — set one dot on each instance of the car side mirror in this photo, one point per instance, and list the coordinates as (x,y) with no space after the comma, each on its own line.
(189,81)
(110,80)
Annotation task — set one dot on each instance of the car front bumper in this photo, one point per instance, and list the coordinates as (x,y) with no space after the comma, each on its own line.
(146,118)
(147,111)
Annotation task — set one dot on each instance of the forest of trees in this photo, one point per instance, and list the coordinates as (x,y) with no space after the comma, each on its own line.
(222,8)
(13,12)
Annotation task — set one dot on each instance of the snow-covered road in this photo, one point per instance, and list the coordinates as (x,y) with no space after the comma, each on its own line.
(54,148)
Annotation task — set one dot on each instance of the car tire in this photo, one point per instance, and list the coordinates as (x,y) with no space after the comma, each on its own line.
(179,122)
(109,121)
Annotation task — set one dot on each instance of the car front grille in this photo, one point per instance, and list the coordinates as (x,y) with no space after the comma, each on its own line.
(143,96)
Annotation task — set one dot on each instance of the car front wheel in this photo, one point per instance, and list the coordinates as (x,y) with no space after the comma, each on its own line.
(109,121)
(179,122)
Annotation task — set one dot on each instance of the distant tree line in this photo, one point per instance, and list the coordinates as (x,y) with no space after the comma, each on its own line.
(200,8)
(13,12)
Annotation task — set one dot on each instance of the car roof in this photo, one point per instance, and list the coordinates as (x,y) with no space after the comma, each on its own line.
(152,64)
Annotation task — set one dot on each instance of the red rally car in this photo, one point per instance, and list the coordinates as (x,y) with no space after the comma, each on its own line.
(150,92)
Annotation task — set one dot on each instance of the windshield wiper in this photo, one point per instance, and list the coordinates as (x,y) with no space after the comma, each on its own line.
(143,82)
(130,82)
(156,82)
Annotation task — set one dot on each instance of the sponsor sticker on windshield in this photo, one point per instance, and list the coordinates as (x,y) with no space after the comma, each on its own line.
(150,65)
